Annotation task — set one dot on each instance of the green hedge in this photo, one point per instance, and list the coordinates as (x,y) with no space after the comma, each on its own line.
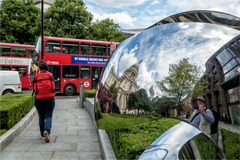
(13,107)
(231,144)
(89,93)
(129,143)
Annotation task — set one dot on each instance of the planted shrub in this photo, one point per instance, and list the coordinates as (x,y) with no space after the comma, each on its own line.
(13,108)
(129,143)
(89,93)
(231,144)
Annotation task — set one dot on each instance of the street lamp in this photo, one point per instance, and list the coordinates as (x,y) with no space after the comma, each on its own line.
(42,29)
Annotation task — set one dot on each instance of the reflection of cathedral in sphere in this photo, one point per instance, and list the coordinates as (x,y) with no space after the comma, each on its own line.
(125,85)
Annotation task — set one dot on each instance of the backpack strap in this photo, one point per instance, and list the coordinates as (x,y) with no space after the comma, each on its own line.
(194,116)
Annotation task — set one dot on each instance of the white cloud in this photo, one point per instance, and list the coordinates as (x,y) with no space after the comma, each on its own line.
(122,18)
(144,13)
(155,2)
(229,6)
(117,4)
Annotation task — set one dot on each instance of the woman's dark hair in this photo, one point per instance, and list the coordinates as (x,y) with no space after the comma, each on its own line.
(43,66)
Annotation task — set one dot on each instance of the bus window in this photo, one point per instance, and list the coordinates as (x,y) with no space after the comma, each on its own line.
(18,52)
(53,47)
(30,52)
(85,48)
(70,47)
(70,72)
(22,70)
(85,72)
(5,68)
(110,52)
(5,51)
(99,50)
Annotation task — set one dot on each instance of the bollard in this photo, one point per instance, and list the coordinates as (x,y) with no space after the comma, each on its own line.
(81,95)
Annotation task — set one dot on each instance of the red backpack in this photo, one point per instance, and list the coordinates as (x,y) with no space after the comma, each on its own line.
(43,85)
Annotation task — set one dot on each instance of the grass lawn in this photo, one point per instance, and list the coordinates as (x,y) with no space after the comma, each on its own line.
(231,144)
(2,131)
(114,121)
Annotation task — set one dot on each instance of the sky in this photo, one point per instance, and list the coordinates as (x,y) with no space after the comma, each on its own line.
(160,46)
(132,14)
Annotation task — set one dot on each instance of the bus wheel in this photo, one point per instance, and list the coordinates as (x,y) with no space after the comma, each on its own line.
(8,91)
(69,90)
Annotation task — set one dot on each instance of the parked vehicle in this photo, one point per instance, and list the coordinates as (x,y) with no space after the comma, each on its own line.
(183,141)
(10,82)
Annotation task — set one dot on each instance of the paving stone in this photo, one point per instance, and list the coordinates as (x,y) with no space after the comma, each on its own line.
(26,155)
(18,147)
(53,147)
(77,139)
(76,156)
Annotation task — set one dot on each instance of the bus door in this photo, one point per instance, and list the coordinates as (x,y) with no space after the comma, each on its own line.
(85,77)
(96,71)
(55,70)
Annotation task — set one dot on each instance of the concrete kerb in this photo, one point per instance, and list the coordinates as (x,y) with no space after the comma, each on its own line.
(17,129)
(105,144)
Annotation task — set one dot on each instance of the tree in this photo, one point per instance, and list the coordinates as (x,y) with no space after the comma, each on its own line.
(20,21)
(180,81)
(113,91)
(106,30)
(68,18)
(139,100)
(163,104)
(199,89)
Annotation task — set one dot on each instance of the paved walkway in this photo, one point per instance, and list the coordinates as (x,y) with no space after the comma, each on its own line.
(230,127)
(73,137)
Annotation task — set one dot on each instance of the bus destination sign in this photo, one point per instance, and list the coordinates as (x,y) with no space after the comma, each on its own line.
(89,60)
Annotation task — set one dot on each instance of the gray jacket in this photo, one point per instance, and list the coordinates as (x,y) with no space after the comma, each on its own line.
(203,120)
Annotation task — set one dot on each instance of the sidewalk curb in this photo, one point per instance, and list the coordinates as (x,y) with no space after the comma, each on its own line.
(106,146)
(17,129)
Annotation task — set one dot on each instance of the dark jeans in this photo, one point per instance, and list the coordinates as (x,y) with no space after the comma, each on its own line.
(45,111)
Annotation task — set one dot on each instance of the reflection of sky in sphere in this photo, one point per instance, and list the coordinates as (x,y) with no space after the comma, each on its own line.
(168,44)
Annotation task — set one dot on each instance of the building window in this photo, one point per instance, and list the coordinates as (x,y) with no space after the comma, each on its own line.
(235,47)
(234,105)
(230,65)
(233,95)
(224,56)
(232,73)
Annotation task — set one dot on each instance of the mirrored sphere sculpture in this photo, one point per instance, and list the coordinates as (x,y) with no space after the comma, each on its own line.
(138,75)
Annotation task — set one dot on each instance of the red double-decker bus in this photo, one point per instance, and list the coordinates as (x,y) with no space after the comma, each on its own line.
(17,57)
(74,61)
